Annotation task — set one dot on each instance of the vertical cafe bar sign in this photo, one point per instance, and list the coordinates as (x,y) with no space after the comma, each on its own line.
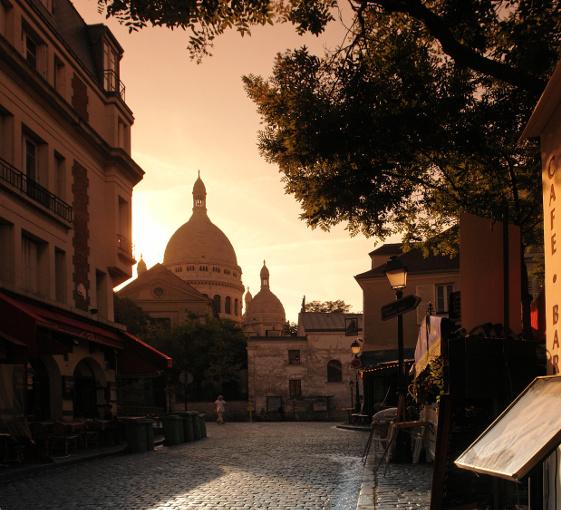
(552,222)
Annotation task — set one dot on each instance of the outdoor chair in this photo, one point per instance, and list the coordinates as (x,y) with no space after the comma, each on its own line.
(62,441)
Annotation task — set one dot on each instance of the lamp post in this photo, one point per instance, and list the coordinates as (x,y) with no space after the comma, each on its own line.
(355,349)
(396,272)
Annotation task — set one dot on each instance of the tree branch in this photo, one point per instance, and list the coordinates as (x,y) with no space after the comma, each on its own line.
(460,53)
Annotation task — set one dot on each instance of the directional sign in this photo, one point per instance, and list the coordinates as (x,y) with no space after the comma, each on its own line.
(402,305)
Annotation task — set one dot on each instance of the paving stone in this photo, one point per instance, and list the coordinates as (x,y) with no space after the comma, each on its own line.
(268,466)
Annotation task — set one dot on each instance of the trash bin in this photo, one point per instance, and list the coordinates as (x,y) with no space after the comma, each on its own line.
(139,435)
(188,429)
(173,429)
(203,424)
(197,426)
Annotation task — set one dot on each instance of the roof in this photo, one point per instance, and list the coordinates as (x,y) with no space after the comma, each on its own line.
(545,106)
(416,262)
(320,321)
(277,338)
(388,249)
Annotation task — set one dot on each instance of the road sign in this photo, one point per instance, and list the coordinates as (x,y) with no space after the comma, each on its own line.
(402,305)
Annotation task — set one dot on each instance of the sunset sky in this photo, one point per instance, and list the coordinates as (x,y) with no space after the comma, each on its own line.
(193,117)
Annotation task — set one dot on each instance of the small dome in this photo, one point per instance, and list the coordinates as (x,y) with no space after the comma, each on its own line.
(141,266)
(248,298)
(265,306)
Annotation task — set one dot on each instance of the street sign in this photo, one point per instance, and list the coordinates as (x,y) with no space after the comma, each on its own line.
(402,305)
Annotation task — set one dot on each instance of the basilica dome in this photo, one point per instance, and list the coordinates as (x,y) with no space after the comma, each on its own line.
(199,240)
(201,254)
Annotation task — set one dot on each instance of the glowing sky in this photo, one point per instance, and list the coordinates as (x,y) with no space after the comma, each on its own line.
(191,117)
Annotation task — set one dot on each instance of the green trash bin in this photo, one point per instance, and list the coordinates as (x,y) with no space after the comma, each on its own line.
(173,429)
(197,426)
(188,429)
(139,435)
(203,424)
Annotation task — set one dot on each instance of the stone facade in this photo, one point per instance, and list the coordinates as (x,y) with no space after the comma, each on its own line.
(308,376)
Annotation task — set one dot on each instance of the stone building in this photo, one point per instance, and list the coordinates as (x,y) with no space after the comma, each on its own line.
(308,376)
(66,179)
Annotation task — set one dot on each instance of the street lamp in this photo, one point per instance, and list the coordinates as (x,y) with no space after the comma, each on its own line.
(355,349)
(396,272)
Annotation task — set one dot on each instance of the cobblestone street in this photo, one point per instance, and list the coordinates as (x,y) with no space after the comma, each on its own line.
(241,465)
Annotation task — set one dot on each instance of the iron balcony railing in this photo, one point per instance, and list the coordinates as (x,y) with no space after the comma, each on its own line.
(112,84)
(36,192)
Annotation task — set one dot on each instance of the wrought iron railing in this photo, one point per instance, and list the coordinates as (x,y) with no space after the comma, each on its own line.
(112,84)
(36,192)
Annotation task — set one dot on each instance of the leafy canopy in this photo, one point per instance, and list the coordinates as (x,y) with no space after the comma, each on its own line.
(416,118)
(327,306)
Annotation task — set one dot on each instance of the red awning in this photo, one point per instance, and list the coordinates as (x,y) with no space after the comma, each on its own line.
(140,359)
(20,319)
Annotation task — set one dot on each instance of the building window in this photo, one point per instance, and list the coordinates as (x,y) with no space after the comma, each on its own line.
(293,357)
(59,76)
(216,304)
(60,176)
(443,292)
(6,252)
(110,69)
(6,134)
(203,268)
(334,371)
(190,268)
(34,265)
(30,158)
(60,276)
(228,305)
(295,389)
(178,269)
(236,307)
(30,49)
(234,274)
(215,269)
(226,271)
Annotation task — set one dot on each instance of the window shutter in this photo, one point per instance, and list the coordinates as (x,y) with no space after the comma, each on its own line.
(426,293)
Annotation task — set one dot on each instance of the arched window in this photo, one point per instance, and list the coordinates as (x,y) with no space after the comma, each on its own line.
(227,305)
(236,307)
(334,371)
(216,304)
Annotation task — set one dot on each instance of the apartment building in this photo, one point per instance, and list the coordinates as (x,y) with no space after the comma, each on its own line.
(66,180)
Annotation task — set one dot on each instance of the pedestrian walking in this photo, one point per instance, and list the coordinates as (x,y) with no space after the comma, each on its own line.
(220,404)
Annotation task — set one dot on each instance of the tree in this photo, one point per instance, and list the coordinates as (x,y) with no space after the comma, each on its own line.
(214,352)
(290,329)
(127,312)
(327,306)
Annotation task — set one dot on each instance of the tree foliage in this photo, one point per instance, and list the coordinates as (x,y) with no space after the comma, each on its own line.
(214,352)
(327,306)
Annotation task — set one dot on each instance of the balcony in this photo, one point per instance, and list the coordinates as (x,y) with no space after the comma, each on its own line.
(37,193)
(112,84)
(125,248)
